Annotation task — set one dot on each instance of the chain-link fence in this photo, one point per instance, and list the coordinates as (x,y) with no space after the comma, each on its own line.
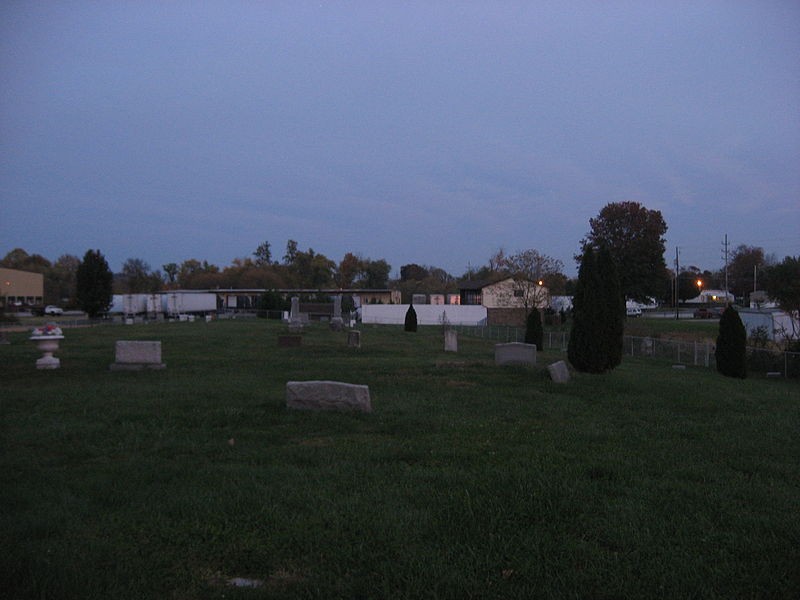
(695,353)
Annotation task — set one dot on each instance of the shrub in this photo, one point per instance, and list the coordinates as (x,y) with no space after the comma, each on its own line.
(534,333)
(731,352)
(411,319)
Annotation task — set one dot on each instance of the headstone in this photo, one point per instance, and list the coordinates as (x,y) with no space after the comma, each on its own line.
(337,323)
(137,355)
(289,341)
(559,372)
(327,395)
(354,338)
(515,353)
(451,340)
(295,323)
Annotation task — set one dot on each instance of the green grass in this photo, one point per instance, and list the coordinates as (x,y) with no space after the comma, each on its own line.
(467,480)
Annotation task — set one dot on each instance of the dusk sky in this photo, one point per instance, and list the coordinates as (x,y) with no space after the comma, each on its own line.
(426,132)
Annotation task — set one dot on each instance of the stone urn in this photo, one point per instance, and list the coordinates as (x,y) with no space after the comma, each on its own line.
(46,340)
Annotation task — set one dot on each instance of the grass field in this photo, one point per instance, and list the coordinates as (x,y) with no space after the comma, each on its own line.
(467,480)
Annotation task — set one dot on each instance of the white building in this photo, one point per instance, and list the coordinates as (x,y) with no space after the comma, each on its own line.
(777,324)
(712,297)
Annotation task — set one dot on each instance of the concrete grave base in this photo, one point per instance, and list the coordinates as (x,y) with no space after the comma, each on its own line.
(327,395)
(137,355)
(515,353)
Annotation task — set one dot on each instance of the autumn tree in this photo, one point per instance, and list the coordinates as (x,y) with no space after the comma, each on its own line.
(263,254)
(193,274)
(634,235)
(136,277)
(60,282)
(374,274)
(782,282)
(94,280)
(19,259)
(528,268)
(347,271)
(743,267)
(413,272)
(171,272)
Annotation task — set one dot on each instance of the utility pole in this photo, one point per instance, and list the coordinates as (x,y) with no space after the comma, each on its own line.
(725,250)
(677,285)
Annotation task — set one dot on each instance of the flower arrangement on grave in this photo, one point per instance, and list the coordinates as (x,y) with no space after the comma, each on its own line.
(48,330)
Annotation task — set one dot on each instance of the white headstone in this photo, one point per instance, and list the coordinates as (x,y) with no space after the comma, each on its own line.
(451,340)
(559,372)
(337,324)
(295,321)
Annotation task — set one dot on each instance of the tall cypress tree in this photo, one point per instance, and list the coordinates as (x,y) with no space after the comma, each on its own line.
(731,352)
(411,318)
(94,284)
(595,340)
(583,350)
(611,306)
(534,334)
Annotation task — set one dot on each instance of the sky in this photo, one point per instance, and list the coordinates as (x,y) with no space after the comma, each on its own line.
(416,132)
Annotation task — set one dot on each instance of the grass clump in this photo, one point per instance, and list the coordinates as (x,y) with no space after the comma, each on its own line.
(467,480)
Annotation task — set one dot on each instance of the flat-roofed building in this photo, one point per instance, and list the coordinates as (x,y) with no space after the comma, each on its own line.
(21,288)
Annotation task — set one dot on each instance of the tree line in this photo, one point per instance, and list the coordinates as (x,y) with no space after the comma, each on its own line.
(632,234)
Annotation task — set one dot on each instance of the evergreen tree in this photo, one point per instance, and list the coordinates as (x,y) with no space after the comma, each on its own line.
(584,349)
(731,352)
(611,308)
(534,333)
(94,282)
(411,319)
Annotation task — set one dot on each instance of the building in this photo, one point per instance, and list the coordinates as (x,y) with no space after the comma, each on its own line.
(712,297)
(778,325)
(21,288)
(507,301)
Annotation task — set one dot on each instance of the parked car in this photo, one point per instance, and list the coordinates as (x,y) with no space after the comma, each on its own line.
(53,310)
(707,313)
(633,311)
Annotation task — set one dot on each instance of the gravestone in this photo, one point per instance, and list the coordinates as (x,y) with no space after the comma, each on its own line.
(327,395)
(451,340)
(515,353)
(137,355)
(559,372)
(354,338)
(337,323)
(295,322)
